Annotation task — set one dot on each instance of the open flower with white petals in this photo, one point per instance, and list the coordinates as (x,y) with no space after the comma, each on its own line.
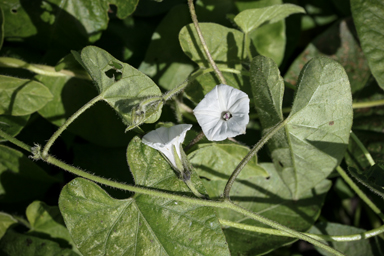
(223,113)
(168,140)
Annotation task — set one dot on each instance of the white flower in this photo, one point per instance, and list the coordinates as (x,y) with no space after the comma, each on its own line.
(223,113)
(164,139)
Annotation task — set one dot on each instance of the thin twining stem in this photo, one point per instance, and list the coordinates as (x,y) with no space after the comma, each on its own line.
(363,148)
(15,141)
(359,192)
(198,30)
(249,156)
(68,122)
(271,231)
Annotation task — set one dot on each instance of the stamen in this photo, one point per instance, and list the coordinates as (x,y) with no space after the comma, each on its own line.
(226,115)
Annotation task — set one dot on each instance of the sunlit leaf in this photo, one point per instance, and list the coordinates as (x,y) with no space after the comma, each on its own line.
(6,221)
(20,97)
(251,19)
(141,224)
(367,16)
(318,127)
(122,86)
(353,248)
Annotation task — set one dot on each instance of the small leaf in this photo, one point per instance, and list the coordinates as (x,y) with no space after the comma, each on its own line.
(15,244)
(6,221)
(12,125)
(21,179)
(225,45)
(140,224)
(373,178)
(317,131)
(47,221)
(353,248)
(367,16)
(224,157)
(251,19)
(122,88)
(19,97)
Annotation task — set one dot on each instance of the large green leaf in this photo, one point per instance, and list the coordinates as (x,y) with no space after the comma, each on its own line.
(21,97)
(69,95)
(368,15)
(141,225)
(12,125)
(225,45)
(70,24)
(21,179)
(339,43)
(15,244)
(270,198)
(209,157)
(251,19)
(46,221)
(122,86)
(318,127)
(364,247)
(6,221)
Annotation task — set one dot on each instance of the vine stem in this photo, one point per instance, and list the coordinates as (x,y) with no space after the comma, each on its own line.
(368,104)
(15,141)
(67,123)
(270,231)
(363,148)
(249,156)
(359,192)
(205,47)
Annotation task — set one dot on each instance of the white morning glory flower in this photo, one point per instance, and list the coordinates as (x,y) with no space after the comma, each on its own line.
(223,113)
(164,139)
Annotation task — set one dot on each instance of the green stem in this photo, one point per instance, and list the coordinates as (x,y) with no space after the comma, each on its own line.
(368,104)
(6,62)
(249,156)
(247,42)
(68,122)
(280,227)
(15,141)
(194,141)
(205,47)
(363,148)
(359,192)
(270,231)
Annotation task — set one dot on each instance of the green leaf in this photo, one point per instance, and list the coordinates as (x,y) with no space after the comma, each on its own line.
(21,97)
(270,198)
(21,179)
(70,25)
(339,43)
(15,244)
(6,221)
(367,16)
(1,27)
(224,157)
(122,86)
(225,45)
(140,224)
(251,19)
(373,178)
(353,248)
(46,221)
(317,131)
(12,125)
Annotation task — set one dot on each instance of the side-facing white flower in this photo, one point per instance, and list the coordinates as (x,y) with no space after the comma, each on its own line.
(166,139)
(223,112)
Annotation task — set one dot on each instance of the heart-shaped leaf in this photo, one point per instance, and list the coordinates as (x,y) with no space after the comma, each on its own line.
(19,97)
(142,224)
(6,221)
(317,130)
(122,86)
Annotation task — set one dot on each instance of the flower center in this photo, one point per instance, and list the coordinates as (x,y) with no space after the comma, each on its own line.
(226,115)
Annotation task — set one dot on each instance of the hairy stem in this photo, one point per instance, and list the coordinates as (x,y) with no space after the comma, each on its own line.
(359,192)
(7,62)
(249,156)
(363,148)
(270,231)
(202,40)
(67,123)
(194,141)
(15,141)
